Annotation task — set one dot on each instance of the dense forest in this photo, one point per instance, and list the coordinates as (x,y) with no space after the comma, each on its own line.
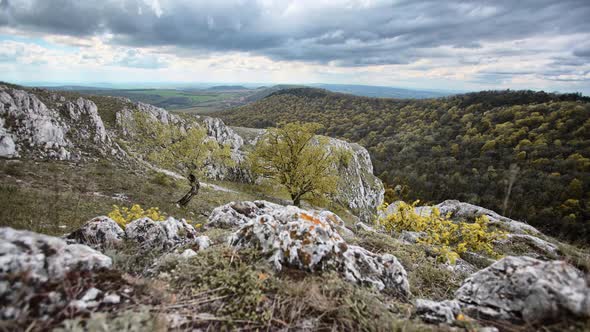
(522,153)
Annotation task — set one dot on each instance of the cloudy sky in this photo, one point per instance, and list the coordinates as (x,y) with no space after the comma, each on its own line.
(454,45)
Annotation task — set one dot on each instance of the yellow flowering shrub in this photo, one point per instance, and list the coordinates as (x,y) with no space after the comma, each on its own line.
(449,239)
(125,215)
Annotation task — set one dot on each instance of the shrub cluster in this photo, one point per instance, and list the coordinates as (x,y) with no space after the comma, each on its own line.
(449,239)
(125,215)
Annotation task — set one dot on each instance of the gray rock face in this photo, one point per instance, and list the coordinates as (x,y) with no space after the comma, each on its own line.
(160,234)
(236,214)
(437,312)
(309,240)
(31,128)
(525,289)
(466,211)
(99,232)
(45,257)
(7,145)
(358,189)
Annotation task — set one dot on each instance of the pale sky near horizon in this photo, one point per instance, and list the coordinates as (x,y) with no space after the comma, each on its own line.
(448,45)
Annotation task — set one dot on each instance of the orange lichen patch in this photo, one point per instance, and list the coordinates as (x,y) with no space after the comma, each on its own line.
(311,228)
(311,219)
(333,219)
(262,276)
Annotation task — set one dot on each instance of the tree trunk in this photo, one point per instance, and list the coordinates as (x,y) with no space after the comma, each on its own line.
(296,199)
(195,185)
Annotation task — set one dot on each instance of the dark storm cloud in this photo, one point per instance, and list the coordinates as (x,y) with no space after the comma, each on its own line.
(386,32)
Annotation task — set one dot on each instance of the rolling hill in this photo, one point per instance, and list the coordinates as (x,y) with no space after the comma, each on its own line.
(528,149)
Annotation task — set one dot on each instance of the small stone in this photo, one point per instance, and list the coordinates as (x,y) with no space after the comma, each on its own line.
(203,242)
(437,312)
(111,298)
(91,294)
(188,253)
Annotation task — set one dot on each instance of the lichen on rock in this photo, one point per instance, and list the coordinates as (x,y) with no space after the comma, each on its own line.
(524,289)
(309,240)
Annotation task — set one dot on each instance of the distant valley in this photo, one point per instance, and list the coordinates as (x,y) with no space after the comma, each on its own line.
(202,99)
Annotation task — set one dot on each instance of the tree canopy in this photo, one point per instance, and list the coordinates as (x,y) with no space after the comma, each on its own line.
(295,158)
(189,151)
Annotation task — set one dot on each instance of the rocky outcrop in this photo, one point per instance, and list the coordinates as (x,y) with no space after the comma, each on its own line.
(516,289)
(66,130)
(103,232)
(309,240)
(437,312)
(465,211)
(58,128)
(524,289)
(99,232)
(236,214)
(44,257)
(160,234)
(358,188)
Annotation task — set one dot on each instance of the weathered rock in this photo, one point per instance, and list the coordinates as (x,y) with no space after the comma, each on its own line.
(466,211)
(98,232)
(188,253)
(160,234)
(524,289)
(437,312)
(358,188)
(411,237)
(542,247)
(45,257)
(203,242)
(308,240)
(7,145)
(236,214)
(62,131)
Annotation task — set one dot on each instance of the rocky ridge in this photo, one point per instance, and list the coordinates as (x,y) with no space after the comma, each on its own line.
(73,129)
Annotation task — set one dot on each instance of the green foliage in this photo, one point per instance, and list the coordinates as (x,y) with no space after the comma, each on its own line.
(461,147)
(450,239)
(171,147)
(125,215)
(230,277)
(295,158)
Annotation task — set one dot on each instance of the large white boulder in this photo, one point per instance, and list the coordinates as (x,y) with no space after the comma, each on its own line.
(165,234)
(45,257)
(98,232)
(309,240)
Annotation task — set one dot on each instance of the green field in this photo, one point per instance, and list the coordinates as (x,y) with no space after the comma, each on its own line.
(173,99)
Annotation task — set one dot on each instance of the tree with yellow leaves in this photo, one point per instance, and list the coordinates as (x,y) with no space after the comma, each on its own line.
(294,157)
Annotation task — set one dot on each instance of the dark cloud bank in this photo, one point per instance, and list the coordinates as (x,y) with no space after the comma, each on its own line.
(347,34)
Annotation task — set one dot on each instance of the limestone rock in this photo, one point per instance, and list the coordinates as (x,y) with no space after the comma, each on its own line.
(358,188)
(466,211)
(524,289)
(236,214)
(160,234)
(437,312)
(203,242)
(63,130)
(98,232)
(309,240)
(45,257)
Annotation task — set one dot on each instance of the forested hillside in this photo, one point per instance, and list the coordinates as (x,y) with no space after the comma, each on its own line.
(524,152)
